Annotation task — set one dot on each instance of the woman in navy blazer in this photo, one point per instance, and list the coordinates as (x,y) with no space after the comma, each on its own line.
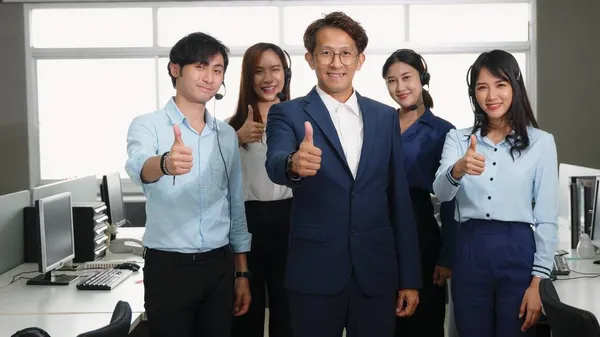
(423,134)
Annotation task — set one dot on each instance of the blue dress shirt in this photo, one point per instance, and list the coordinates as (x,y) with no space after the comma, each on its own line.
(194,213)
(507,188)
(422,145)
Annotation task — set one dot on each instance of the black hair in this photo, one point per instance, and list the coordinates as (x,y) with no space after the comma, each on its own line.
(196,48)
(519,116)
(337,20)
(416,61)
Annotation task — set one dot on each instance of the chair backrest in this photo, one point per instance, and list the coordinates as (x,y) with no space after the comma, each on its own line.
(119,325)
(31,332)
(565,320)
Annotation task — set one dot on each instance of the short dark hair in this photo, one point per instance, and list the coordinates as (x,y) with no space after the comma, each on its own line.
(336,20)
(502,64)
(196,48)
(414,60)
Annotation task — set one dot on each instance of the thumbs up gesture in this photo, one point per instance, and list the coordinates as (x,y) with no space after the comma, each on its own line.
(251,131)
(307,160)
(472,163)
(180,160)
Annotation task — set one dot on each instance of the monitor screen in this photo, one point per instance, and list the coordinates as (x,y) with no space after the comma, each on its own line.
(113,198)
(56,231)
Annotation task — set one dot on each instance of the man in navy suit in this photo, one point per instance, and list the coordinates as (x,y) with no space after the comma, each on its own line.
(353,258)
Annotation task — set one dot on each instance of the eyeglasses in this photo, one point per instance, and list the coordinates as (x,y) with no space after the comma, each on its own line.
(326,57)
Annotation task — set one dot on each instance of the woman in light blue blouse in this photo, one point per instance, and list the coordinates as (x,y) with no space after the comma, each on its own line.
(503,174)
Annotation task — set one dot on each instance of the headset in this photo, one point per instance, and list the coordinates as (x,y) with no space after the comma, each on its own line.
(424,75)
(287,73)
(219,97)
(480,117)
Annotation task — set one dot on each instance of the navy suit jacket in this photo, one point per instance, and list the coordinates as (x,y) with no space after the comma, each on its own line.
(340,225)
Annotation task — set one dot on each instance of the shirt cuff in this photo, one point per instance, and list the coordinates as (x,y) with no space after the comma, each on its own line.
(541,271)
(453,181)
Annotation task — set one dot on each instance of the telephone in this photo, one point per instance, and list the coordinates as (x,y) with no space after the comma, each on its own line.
(124,246)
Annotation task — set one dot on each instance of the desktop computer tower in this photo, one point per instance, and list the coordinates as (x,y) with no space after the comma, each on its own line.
(91,226)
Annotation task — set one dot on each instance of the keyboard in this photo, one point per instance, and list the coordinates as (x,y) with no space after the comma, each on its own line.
(561,267)
(102,264)
(106,279)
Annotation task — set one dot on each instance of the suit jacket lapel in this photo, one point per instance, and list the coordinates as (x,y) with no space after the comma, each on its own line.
(369,131)
(317,110)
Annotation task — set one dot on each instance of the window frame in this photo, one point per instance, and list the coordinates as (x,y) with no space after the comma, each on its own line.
(132,192)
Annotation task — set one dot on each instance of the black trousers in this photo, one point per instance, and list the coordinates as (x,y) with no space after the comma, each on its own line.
(269,223)
(189,295)
(428,319)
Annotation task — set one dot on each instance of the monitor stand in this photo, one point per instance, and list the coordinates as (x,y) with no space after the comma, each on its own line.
(48,279)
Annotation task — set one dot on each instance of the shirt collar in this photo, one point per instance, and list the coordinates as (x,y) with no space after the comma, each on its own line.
(427,117)
(332,104)
(177,117)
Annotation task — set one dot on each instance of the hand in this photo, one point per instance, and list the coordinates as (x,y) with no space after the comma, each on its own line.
(440,275)
(251,131)
(242,296)
(472,163)
(307,160)
(531,306)
(180,160)
(408,299)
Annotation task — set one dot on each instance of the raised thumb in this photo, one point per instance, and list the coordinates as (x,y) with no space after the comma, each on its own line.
(473,145)
(308,132)
(250,116)
(177,132)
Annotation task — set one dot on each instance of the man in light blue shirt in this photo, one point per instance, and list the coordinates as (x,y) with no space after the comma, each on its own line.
(188,164)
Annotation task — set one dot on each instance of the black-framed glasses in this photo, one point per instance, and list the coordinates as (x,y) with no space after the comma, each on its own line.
(326,57)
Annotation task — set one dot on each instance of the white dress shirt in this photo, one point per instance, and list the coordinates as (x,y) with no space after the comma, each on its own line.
(348,123)
(257,185)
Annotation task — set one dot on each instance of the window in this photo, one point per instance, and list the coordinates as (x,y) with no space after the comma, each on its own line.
(249,24)
(384,24)
(84,108)
(91,27)
(468,23)
(94,67)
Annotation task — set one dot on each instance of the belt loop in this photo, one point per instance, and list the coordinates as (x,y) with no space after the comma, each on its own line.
(511,226)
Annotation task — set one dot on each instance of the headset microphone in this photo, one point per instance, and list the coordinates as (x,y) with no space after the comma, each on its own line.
(414,106)
(287,73)
(218,96)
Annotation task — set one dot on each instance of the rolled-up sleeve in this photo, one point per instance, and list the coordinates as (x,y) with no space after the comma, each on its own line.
(142,144)
(240,237)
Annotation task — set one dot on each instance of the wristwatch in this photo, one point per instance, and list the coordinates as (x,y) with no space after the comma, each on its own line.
(288,168)
(245,274)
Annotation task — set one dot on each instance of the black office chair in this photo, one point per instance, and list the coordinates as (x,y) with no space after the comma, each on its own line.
(119,325)
(565,320)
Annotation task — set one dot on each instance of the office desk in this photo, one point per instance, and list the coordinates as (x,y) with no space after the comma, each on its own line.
(63,325)
(19,298)
(579,290)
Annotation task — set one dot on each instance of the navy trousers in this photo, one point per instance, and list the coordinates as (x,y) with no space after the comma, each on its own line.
(326,316)
(491,271)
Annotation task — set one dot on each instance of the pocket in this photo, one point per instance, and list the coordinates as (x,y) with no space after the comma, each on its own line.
(218,174)
(308,233)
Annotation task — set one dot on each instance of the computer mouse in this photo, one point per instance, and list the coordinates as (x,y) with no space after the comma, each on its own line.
(597,262)
(128,265)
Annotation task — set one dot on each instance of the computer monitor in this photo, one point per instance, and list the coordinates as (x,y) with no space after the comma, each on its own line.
(56,242)
(112,195)
(595,232)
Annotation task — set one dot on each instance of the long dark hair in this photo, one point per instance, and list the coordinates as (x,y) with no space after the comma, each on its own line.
(416,61)
(519,116)
(247,95)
